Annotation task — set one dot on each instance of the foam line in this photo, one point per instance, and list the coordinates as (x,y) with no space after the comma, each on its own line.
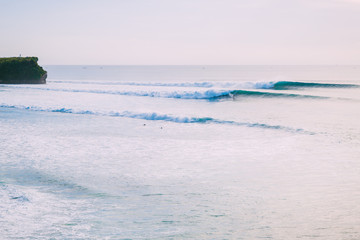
(157,117)
(211,94)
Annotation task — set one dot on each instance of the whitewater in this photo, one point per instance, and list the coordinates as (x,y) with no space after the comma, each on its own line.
(182,152)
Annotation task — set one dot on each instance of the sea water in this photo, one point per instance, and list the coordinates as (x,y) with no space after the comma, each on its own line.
(182,152)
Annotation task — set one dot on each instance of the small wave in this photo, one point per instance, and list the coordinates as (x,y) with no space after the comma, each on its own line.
(159,117)
(285,85)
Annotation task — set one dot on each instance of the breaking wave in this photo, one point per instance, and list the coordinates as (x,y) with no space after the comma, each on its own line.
(206,90)
(211,94)
(157,117)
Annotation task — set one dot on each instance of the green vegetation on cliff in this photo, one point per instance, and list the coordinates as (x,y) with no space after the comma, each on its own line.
(21,70)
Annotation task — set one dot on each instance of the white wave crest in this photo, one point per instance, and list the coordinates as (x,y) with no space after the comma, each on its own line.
(157,117)
(208,94)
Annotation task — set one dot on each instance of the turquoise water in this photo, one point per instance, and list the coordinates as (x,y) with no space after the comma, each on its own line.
(182,152)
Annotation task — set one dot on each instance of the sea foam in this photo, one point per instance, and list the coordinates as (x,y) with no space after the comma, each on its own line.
(153,116)
(211,94)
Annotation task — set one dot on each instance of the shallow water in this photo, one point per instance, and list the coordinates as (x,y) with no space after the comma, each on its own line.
(159,152)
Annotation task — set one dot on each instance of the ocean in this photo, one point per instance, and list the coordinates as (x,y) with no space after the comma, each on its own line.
(182,152)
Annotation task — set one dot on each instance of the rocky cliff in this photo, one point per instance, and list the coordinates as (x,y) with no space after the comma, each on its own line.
(21,70)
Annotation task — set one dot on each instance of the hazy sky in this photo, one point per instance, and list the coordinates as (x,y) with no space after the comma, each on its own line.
(182,31)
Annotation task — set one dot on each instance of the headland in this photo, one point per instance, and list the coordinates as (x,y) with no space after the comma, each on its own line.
(21,70)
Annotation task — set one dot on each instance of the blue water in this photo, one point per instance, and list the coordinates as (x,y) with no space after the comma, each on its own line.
(182,152)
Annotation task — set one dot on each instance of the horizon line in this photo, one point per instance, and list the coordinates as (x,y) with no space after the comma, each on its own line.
(201,64)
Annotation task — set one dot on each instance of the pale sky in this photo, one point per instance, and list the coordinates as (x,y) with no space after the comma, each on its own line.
(236,32)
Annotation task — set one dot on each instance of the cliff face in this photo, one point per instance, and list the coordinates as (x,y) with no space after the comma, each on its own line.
(21,70)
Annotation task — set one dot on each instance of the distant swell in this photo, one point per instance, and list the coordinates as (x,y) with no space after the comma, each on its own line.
(284,85)
(157,117)
(245,85)
(236,93)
